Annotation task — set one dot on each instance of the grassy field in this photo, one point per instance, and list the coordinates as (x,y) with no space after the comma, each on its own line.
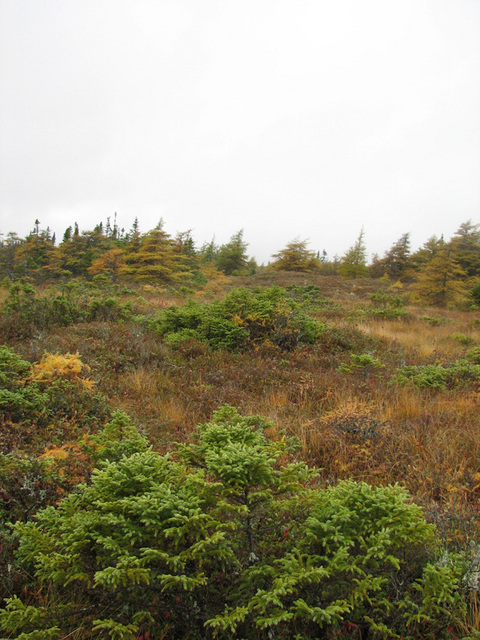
(386,393)
(358,423)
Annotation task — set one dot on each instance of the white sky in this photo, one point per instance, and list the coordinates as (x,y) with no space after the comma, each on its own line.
(287,118)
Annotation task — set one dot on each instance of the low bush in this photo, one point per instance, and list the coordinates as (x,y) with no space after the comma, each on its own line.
(461,338)
(18,401)
(436,320)
(25,312)
(229,537)
(363,362)
(310,297)
(386,305)
(475,293)
(244,319)
(437,376)
(473,355)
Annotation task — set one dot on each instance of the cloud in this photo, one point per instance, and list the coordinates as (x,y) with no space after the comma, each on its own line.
(283,118)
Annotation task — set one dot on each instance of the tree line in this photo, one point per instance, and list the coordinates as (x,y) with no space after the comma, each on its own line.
(440,272)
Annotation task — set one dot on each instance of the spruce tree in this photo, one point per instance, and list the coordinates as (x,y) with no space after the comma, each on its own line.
(296,257)
(232,257)
(442,281)
(465,246)
(155,259)
(396,263)
(354,262)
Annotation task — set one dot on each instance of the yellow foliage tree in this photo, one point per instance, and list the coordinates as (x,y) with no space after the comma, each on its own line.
(111,262)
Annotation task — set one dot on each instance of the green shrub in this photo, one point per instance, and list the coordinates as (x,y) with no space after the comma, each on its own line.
(343,577)
(429,376)
(24,312)
(461,338)
(18,401)
(181,336)
(473,355)
(310,297)
(229,538)
(12,367)
(364,362)
(435,321)
(392,313)
(436,376)
(107,309)
(463,371)
(118,438)
(245,318)
(386,305)
(475,293)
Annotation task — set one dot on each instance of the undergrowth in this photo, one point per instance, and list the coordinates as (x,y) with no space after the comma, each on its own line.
(380,398)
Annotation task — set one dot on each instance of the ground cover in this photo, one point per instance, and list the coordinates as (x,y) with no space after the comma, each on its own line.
(373,395)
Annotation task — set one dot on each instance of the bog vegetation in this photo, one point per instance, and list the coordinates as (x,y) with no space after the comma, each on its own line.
(193,446)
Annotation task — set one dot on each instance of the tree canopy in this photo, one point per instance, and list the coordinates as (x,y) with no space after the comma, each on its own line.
(296,257)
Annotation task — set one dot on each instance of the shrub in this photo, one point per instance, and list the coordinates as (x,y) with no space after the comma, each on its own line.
(436,376)
(18,401)
(436,320)
(54,366)
(310,297)
(230,538)
(461,338)
(243,319)
(24,312)
(392,313)
(475,293)
(473,355)
(356,547)
(118,438)
(107,309)
(364,362)
(430,376)
(386,305)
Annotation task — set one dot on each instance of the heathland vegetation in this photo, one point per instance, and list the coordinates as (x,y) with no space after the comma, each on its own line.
(195,446)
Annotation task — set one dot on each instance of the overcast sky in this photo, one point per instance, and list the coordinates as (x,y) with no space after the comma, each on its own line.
(287,118)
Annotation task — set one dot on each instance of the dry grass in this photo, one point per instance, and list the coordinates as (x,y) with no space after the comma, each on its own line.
(426,340)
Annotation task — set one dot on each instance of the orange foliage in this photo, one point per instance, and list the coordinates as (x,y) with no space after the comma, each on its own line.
(68,367)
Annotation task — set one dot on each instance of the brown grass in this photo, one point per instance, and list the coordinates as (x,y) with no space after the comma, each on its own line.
(421,338)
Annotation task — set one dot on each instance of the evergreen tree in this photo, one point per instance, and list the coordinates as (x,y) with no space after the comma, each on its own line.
(232,257)
(8,255)
(427,252)
(229,538)
(155,259)
(133,238)
(77,252)
(465,246)
(35,255)
(67,234)
(442,281)
(396,262)
(354,262)
(209,252)
(295,257)
(111,262)
(189,257)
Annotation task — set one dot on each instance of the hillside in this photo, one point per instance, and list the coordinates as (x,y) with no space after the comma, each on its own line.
(372,389)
